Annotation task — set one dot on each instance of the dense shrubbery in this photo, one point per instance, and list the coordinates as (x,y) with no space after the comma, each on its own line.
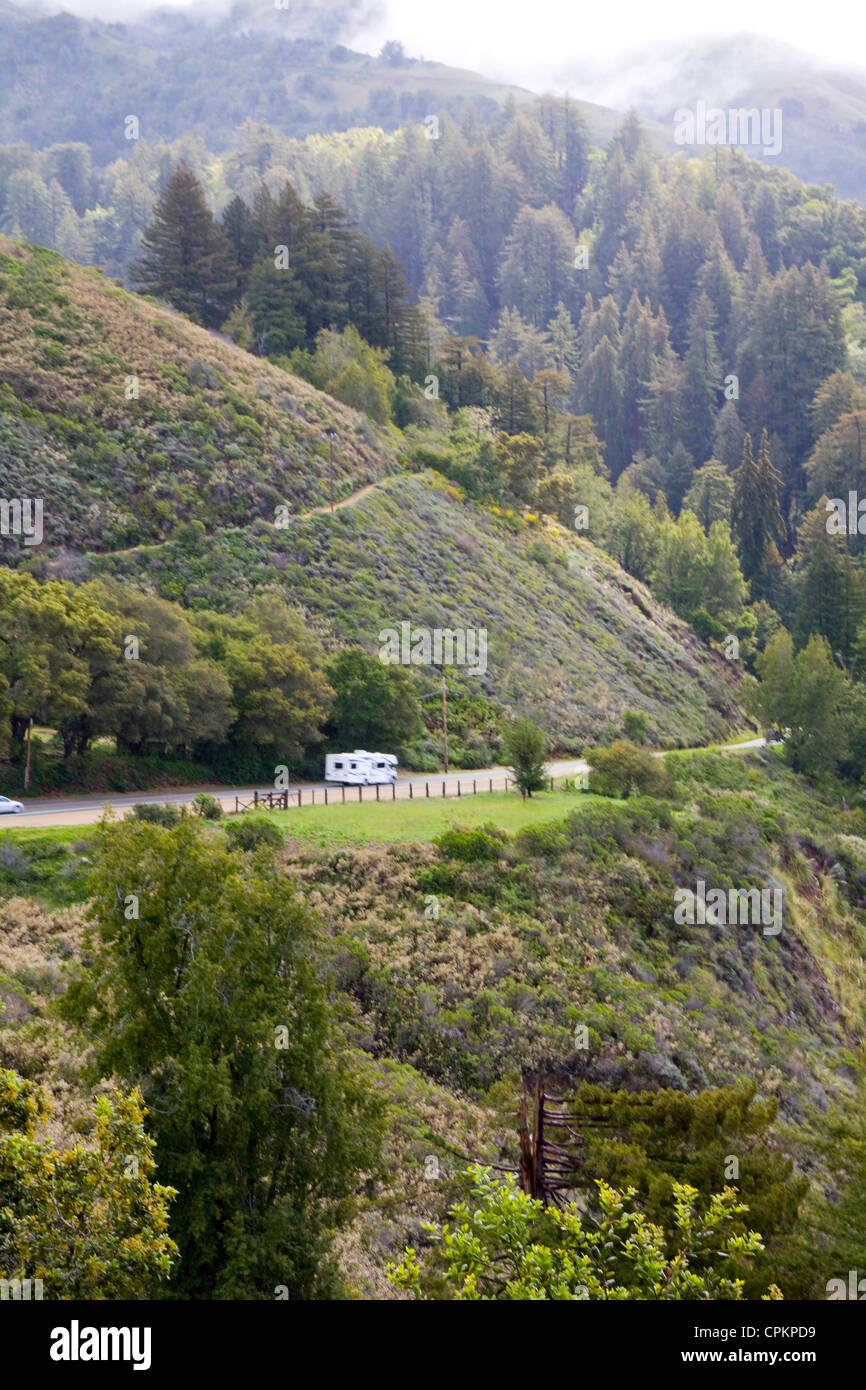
(625,770)
(251,831)
(511,1247)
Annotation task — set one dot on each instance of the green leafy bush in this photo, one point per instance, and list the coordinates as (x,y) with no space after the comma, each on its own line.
(156,814)
(623,770)
(470,845)
(252,831)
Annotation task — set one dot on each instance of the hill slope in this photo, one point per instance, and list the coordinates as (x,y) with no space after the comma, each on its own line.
(76,79)
(219,437)
(573,641)
(214,434)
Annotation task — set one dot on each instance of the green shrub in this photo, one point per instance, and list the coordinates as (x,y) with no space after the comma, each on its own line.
(470,845)
(635,723)
(625,770)
(157,814)
(252,831)
(207,806)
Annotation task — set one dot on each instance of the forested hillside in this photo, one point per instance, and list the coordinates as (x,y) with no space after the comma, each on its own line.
(449,361)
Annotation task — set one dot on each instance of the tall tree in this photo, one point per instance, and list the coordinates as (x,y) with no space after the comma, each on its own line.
(186,257)
(212,1000)
(375,705)
(756,518)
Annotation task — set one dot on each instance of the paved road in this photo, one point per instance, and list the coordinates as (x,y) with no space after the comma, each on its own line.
(85,809)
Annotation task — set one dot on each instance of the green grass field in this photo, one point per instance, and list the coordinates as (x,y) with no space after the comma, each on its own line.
(386,822)
(395,822)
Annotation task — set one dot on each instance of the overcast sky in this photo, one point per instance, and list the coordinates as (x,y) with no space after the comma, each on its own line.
(542,43)
(532,41)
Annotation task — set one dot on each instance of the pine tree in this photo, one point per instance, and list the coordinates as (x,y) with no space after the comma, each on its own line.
(644,339)
(728,437)
(600,391)
(701,380)
(186,257)
(832,586)
(732,224)
(755,514)
(237,223)
(677,472)
(710,495)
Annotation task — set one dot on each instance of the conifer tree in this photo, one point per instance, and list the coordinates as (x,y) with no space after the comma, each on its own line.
(186,257)
(755,514)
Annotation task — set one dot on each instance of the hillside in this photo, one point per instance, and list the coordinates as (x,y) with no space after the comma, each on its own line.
(536,933)
(71,77)
(214,435)
(573,641)
(222,438)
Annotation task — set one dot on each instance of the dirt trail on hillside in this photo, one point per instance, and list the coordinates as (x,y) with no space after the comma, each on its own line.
(345,502)
(296,516)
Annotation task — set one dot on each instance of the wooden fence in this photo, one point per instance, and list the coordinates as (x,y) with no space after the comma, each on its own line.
(395,791)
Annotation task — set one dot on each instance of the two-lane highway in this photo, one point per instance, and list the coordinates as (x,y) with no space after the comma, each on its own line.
(86,808)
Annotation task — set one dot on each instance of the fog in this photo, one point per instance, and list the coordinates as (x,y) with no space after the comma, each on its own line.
(610,53)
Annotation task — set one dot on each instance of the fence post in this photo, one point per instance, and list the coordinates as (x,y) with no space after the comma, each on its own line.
(360,792)
(299,796)
(474,788)
(491,784)
(326,796)
(377,791)
(343,790)
(443,788)
(410,791)
(393,791)
(427,785)
(458,786)
(256,796)
(551,784)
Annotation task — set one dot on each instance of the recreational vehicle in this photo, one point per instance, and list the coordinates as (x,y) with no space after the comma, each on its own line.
(360,768)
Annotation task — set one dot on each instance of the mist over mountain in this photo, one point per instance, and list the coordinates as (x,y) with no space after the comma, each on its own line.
(823,105)
(203,73)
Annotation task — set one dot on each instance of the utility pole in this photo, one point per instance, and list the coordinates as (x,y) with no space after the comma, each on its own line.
(332,435)
(27,764)
(445,718)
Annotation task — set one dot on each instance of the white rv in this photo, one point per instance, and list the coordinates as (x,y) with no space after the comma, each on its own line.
(361,768)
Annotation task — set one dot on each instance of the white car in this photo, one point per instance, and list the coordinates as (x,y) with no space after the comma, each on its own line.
(8,807)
